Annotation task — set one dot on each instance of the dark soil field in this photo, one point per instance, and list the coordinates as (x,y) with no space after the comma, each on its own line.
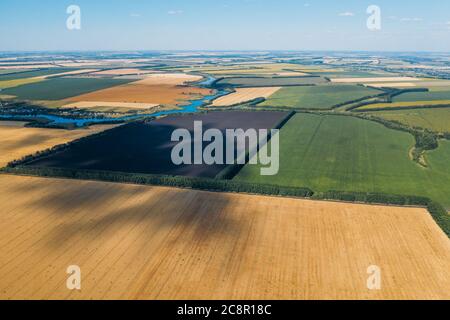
(61,88)
(33,73)
(146,147)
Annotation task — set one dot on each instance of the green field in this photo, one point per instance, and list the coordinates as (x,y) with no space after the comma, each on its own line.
(396,105)
(422,96)
(349,154)
(437,119)
(271,82)
(61,88)
(317,97)
(35,73)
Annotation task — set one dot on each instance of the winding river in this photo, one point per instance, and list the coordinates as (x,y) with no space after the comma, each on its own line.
(192,107)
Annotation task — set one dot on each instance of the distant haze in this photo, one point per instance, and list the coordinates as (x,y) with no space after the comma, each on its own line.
(413,25)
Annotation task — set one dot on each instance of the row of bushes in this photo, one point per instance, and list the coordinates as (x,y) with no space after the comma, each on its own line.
(438,212)
(437,106)
(380,95)
(385,97)
(440,215)
(369,197)
(163,180)
(364,103)
(397,92)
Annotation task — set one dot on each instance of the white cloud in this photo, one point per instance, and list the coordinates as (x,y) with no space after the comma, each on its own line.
(411,19)
(346,14)
(135,15)
(174,12)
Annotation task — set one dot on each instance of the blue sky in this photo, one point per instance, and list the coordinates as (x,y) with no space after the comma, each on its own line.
(225,25)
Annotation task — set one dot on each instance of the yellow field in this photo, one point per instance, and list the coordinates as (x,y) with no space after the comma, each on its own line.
(272,69)
(123,72)
(243,95)
(17,141)
(168,89)
(424,104)
(159,243)
(111,106)
(4,66)
(375,79)
(175,79)
(19,82)
(69,73)
(392,85)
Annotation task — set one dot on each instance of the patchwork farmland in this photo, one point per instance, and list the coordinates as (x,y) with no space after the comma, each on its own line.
(164,89)
(139,242)
(253,237)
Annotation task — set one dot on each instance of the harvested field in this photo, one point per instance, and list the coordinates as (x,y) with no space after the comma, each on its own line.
(144,92)
(140,242)
(18,82)
(336,74)
(243,95)
(156,89)
(435,85)
(392,85)
(262,69)
(146,148)
(72,73)
(113,106)
(375,79)
(246,82)
(26,66)
(175,79)
(17,141)
(122,72)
